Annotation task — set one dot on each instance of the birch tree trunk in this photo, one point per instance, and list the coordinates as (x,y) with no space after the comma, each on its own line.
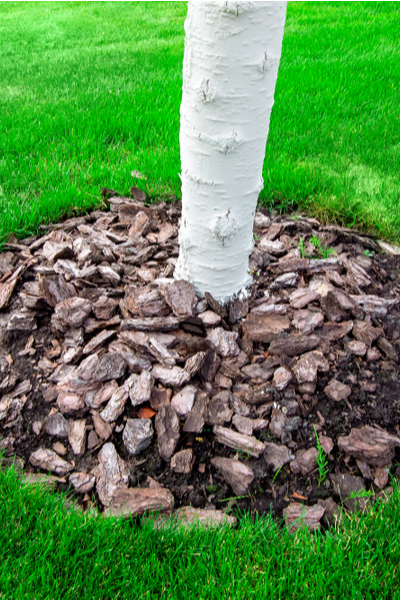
(231,59)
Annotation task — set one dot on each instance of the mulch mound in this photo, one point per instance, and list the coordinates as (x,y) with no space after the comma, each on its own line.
(137,395)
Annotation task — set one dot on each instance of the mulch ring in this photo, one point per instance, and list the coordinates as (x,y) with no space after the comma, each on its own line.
(136,395)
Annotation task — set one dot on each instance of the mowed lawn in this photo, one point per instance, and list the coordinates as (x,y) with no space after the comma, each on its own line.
(90,92)
(49,550)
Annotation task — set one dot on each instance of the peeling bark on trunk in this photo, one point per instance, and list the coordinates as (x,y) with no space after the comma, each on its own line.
(232,53)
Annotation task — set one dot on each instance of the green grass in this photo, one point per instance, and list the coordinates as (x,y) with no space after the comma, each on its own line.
(49,552)
(91,91)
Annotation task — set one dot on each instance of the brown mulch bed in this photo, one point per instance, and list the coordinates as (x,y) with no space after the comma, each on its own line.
(132,391)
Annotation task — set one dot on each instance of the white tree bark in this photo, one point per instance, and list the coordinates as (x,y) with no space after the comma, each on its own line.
(231,59)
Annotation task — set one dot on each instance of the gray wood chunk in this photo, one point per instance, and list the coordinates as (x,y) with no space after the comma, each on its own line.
(239,407)
(230,367)
(301,297)
(331,307)
(160,396)
(70,313)
(150,324)
(374,305)
(99,340)
(136,361)
(321,265)
(238,309)
(224,342)
(365,332)
(181,297)
(92,325)
(111,473)
(130,502)
(373,354)
(389,248)
(93,440)
(102,395)
(175,376)
(86,369)
(275,248)
(357,348)
(210,366)
(260,394)
(276,455)
(218,410)
(306,321)
(77,435)
(140,387)
(22,320)
(104,308)
(356,276)
(294,344)
(216,306)
(210,318)
(144,302)
(103,429)
(297,514)
(258,372)
(292,264)
(196,418)
(346,487)
(55,289)
(347,304)
(70,403)
(137,435)
(238,441)
(326,443)
(282,377)
(53,250)
(369,444)
(110,366)
(115,406)
(238,475)
(140,223)
(161,353)
(56,424)
(284,281)
(337,391)
(265,328)
(381,476)
(166,232)
(109,274)
(331,331)
(182,462)
(321,286)
(183,401)
(138,340)
(305,461)
(244,425)
(261,221)
(387,348)
(6,290)
(82,482)
(194,363)
(274,231)
(277,423)
(167,426)
(50,461)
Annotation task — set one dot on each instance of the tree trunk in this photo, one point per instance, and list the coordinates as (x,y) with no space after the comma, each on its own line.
(232,52)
